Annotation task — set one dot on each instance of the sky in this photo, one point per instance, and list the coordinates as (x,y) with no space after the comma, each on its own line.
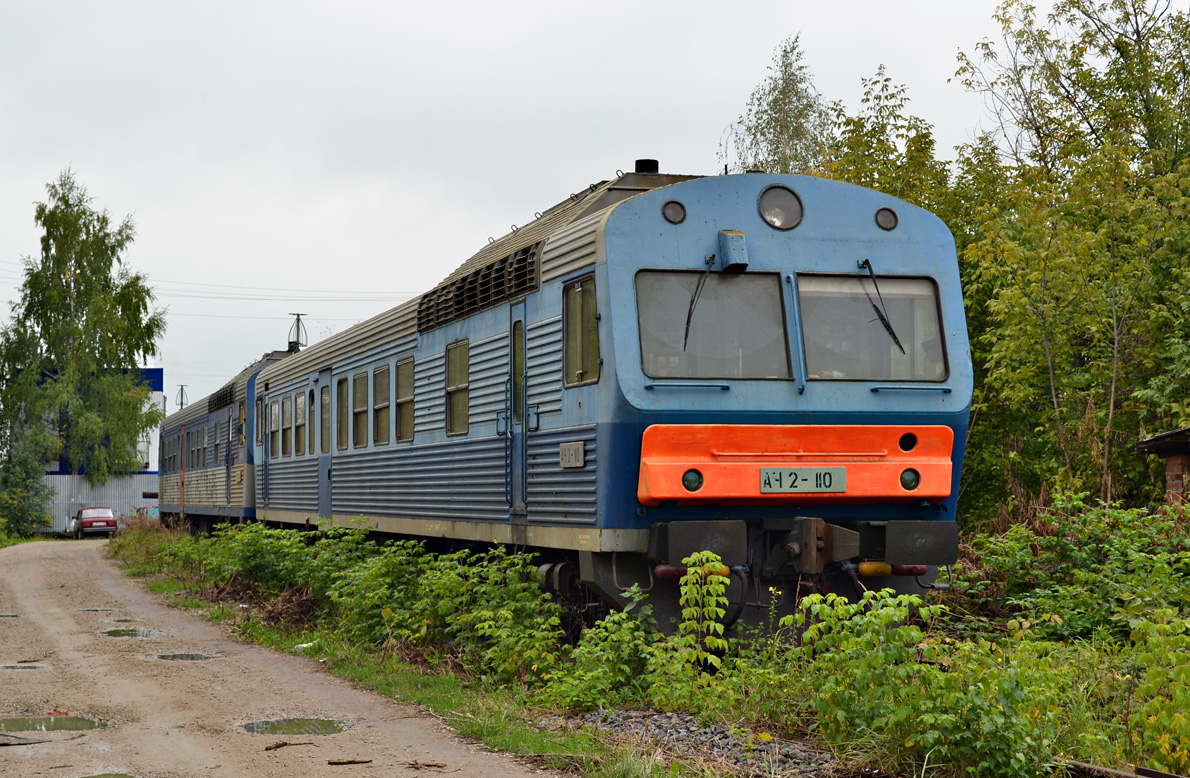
(336,159)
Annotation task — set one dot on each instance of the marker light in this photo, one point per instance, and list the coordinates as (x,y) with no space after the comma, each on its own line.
(674,212)
(910,479)
(886,218)
(692,480)
(780,207)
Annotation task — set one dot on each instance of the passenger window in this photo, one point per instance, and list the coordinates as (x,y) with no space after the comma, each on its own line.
(324,424)
(405,400)
(299,424)
(580,358)
(341,411)
(457,371)
(380,414)
(359,410)
(286,426)
(518,371)
(310,427)
(275,431)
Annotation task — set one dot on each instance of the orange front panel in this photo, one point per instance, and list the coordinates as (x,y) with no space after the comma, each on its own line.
(733,458)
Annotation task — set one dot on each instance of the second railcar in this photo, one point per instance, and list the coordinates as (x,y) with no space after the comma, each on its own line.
(207,467)
(774,368)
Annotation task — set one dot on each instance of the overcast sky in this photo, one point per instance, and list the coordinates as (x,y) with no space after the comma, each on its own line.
(338,158)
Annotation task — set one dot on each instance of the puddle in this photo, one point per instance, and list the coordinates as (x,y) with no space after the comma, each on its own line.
(123,621)
(95,610)
(49,724)
(132,632)
(295,727)
(22,667)
(186,657)
(8,615)
(110,775)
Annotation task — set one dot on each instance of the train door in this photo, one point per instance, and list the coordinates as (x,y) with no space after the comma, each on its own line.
(515,436)
(323,399)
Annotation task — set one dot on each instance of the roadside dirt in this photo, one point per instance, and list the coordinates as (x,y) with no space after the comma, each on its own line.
(184,719)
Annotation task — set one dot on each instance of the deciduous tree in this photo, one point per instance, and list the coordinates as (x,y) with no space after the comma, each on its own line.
(83,324)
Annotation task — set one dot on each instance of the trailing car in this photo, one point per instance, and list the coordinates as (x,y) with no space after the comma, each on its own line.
(93,521)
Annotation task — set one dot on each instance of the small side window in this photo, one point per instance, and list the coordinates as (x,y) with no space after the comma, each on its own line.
(286,426)
(311,420)
(359,410)
(299,423)
(342,412)
(457,373)
(405,399)
(275,431)
(380,411)
(580,321)
(324,422)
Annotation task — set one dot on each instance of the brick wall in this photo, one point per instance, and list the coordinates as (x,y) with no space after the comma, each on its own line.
(1176,469)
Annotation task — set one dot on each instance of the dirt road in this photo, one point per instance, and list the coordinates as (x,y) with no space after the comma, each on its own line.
(178,719)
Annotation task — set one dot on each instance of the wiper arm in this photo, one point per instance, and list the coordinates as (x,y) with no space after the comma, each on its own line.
(694,299)
(881,312)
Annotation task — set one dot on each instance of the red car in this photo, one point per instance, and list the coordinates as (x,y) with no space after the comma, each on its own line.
(92,521)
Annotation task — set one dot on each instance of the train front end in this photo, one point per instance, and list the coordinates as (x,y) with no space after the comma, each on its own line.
(793,387)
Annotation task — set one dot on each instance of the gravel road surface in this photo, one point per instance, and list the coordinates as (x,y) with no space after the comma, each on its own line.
(183,719)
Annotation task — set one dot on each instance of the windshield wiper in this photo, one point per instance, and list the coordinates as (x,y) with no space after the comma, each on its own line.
(694,299)
(882,315)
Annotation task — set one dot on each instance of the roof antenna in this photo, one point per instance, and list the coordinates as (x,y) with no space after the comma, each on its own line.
(181,398)
(297,334)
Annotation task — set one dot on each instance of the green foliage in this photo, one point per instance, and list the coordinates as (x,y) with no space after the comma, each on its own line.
(1082,571)
(24,494)
(784,125)
(608,667)
(81,327)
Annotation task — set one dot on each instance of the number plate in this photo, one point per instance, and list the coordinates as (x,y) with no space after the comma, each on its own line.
(790,480)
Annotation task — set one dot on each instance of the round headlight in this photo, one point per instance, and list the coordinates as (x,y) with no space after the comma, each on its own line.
(692,480)
(910,480)
(674,212)
(780,207)
(886,218)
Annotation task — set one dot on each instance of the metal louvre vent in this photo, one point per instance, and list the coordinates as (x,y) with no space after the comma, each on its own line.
(222,398)
(490,285)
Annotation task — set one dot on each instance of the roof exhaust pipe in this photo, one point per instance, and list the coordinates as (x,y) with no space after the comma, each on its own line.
(648,166)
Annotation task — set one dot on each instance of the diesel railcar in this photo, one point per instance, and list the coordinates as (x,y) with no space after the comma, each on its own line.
(771,367)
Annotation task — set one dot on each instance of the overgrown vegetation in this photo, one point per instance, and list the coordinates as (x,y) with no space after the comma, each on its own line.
(1070,218)
(1064,639)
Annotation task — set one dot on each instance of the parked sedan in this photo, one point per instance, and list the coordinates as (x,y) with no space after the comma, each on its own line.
(92,521)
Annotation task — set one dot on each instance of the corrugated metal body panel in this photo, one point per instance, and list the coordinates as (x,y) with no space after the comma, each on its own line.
(459,479)
(573,248)
(543,355)
(562,495)
(380,329)
(487,377)
(122,494)
(168,492)
(429,389)
(205,488)
(293,484)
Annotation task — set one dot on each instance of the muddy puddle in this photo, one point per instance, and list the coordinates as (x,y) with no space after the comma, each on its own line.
(295,727)
(132,632)
(186,657)
(49,724)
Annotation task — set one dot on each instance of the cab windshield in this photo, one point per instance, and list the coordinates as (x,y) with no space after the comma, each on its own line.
(853,332)
(736,325)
